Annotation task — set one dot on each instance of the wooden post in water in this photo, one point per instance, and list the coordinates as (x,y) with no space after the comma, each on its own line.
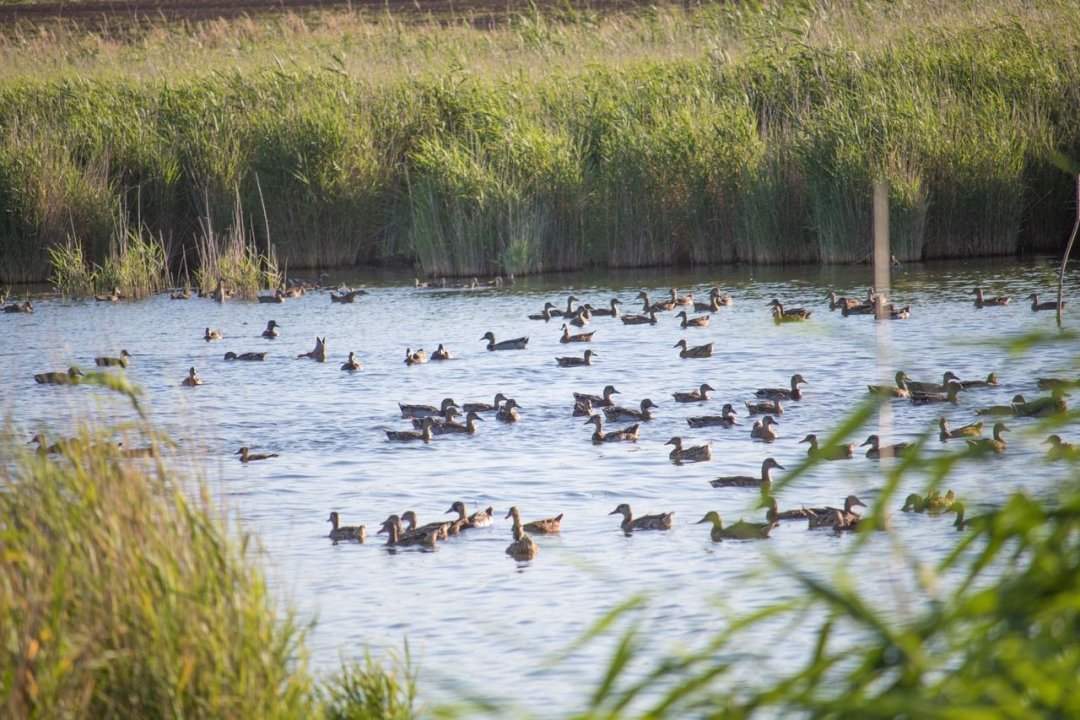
(882,287)
(1065,257)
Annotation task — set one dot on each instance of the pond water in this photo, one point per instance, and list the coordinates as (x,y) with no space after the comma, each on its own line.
(478,623)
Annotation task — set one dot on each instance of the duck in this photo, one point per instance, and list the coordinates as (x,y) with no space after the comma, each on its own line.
(547,313)
(615,414)
(762,431)
(782,314)
(508,413)
(480,518)
(247,456)
(1059,449)
(990,381)
(649,306)
(415,358)
(739,531)
(764,407)
(580,337)
(649,318)
(627,434)
(71,377)
(981,301)
(773,514)
(439,529)
(997,410)
(121,361)
(934,503)
(547,526)
(783,393)
(878,451)
(484,407)
(345,532)
(318,354)
(44,448)
(515,344)
(583,408)
(659,521)
(694,453)
(952,391)
(184,294)
(860,309)
(271,330)
(725,419)
(192,379)
(25,307)
(424,434)
(352,364)
(249,356)
(900,391)
(455,428)
(392,527)
(681,300)
(716,301)
(613,311)
(1051,383)
(346,297)
(929,387)
(114,296)
(582,317)
(447,416)
(996,444)
(597,400)
(831,452)
(765,481)
(699,351)
(688,322)
(569,312)
(1043,406)
(962,432)
(441,353)
(838,303)
(277,297)
(524,547)
(962,522)
(419,411)
(699,395)
(1037,306)
(211,335)
(836,518)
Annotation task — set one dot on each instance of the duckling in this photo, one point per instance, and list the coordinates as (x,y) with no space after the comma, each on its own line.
(832,452)
(962,432)
(878,451)
(580,337)
(762,431)
(480,518)
(1037,306)
(352,364)
(271,330)
(928,387)
(523,548)
(247,456)
(615,414)
(952,390)
(415,358)
(184,294)
(660,521)
(419,411)
(1043,406)
(996,444)
(548,526)
(649,318)
(695,453)
(606,312)
(1017,401)
(597,400)
(990,381)
(424,434)
(783,393)
(441,353)
(508,413)
(439,529)
(484,407)
(773,514)
(515,344)
(1059,449)
(277,298)
(782,314)
(547,313)
(726,419)
(319,354)
(739,531)
(71,377)
(455,428)
(249,356)
(627,434)
(211,335)
(687,321)
(392,527)
(699,395)
(765,481)
(25,307)
(121,361)
(700,351)
(347,297)
(914,503)
(571,361)
(900,391)
(345,532)
(764,407)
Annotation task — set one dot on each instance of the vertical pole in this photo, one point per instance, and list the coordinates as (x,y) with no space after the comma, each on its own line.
(1065,257)
(882,287)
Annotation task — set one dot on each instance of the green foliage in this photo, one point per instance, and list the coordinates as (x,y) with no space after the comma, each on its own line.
(365,692)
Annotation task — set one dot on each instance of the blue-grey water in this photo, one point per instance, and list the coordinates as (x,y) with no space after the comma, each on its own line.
(476,622)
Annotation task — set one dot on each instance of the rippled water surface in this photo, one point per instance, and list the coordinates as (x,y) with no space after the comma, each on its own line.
(478,623)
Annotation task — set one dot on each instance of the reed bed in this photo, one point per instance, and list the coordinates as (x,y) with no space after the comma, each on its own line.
(552,140)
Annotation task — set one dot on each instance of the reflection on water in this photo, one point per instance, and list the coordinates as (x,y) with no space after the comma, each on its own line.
(477,622)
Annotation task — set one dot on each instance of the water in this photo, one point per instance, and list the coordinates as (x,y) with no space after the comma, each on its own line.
(478,623)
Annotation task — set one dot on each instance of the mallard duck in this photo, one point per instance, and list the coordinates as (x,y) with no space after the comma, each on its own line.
(1037,306)
(990,381)
(441,353)
(352,364)
(699,395)
(1059,449)
(899,391)
(211,335)
(725,419)
(700,351)
(996,444)
(695,453)
(192,379)
(271,330)
(447,416)
(782,314)
(415,358)
(688,322)
(1051,383)
(184,294)
(569,312)
(627,434)
(121,361)
(548,526)
(276,298)
(773,514)
(878,451)
(346,297)
(583,408)
(345,532)
(836,518)
(839,303)
(762,431)
(739,531)
(952,391)
(764,407)
(508,413)
(613,311)
(648,318)
(71,377)
(934,503)
(523,548)
(580,337)
(582,317)
(455,428)
(114,296)
(547,313)
(832,452)
(424,434)
(962,432)
(783,393)
(981,302)
(438,529)
(25,307)
(515,344)
(962,522)
(392,527)
(319,354)
(1043,406)
(419,411)
(480,518)
(247,456)
(597,400)
(748,481)
(928,387)
(716,301)
(993,410)
(649,306)
(660,521)
(683,300)
(615,414)
(249,356)
(862,309)
(914,503)
(484,407)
